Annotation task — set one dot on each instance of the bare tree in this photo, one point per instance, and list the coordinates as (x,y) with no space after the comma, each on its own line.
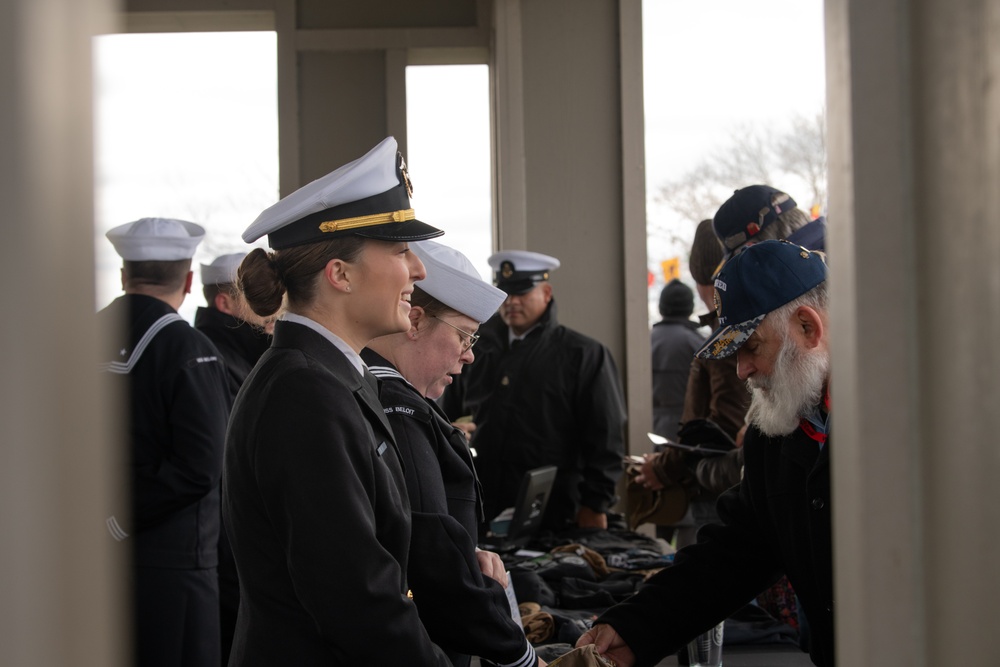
(753,154)
(802,152)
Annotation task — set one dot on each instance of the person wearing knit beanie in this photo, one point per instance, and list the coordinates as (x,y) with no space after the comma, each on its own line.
(673,342)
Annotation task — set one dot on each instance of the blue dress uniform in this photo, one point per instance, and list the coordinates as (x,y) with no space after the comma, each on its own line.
(464,612)
(317,515)
(179,400)
(552,399)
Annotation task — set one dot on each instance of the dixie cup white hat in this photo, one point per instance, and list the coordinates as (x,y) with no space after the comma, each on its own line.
(454,281)
(156,239)
(368,197)
(222,270)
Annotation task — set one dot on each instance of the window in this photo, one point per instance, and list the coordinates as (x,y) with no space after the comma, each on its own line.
(448,152)
(186,126)
(727,85)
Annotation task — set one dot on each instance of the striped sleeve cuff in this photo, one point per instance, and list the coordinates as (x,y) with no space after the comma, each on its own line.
(529,659)
(115,529)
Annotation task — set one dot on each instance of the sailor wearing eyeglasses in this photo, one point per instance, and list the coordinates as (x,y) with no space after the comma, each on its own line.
(542,394)
(458,590)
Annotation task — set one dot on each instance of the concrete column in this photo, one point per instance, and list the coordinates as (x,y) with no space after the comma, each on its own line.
(61,578)
(914,240)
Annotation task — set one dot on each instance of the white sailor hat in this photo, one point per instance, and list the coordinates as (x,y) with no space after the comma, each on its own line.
(156,239)
(518,271)
(454,281)
(368,197)
(222,270)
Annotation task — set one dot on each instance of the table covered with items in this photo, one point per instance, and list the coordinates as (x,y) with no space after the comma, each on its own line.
(562,582)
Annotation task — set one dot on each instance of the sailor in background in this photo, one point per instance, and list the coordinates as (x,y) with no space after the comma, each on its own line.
(240,335)
(178,400)
(314,496)
(542,394)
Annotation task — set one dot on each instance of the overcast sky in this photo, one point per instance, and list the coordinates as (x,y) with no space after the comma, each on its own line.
(186,125)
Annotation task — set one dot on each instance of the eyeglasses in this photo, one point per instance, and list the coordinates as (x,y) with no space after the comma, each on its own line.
(468,339)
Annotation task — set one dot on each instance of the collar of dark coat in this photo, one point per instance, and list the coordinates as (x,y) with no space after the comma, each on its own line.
(249,342)
(797,447)
(682,321)
(290,334)
(495,329)
(141,311)
(802,449)
(133,315)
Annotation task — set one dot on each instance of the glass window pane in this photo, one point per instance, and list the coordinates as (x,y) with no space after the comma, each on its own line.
(735,94)
(186,127)
(448,151)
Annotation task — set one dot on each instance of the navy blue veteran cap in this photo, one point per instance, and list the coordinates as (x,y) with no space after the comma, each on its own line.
(757,280)
(747,212)
(518,271)
(368,197)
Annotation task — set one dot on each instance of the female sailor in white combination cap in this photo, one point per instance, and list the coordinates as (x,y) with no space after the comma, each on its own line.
(314,496)
(465,611)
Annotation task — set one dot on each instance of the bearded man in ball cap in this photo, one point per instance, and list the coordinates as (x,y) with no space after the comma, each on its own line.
(542,394)
(175,382)
(772,303)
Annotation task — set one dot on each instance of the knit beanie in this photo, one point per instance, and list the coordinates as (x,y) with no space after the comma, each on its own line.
(706,253)
(676,300)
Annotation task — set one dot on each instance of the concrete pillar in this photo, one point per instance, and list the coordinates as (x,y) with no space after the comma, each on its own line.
(60,579)
(914,240)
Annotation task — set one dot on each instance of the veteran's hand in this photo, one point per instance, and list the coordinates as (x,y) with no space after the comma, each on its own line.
(609,644)
(646,476)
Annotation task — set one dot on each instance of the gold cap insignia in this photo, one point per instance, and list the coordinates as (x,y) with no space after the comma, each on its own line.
(406,176)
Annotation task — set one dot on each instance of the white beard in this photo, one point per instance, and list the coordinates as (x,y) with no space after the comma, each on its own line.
(791,391)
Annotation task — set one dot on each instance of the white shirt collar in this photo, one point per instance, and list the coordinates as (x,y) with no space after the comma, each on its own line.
(511,337)
(337,341)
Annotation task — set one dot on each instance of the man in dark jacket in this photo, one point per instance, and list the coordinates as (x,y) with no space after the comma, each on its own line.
(772,303)
(178,403)
(541,394)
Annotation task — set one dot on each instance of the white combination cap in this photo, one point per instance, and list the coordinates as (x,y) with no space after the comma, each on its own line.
(368,197)
(518,271)
(156,239)
(222,270)
(454,281)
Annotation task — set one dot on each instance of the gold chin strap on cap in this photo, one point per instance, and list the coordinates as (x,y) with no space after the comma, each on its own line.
(367,220)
